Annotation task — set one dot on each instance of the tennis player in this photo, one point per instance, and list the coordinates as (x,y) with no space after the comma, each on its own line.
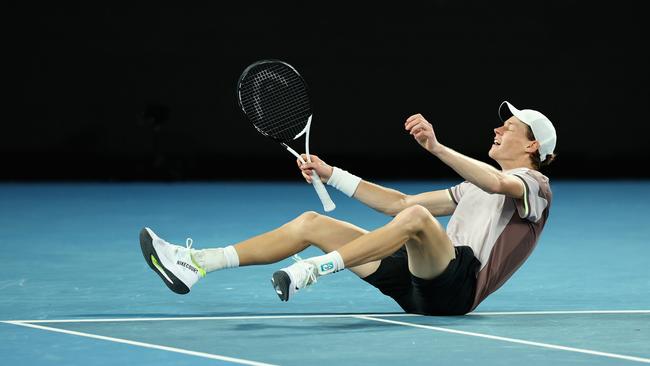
(497,217)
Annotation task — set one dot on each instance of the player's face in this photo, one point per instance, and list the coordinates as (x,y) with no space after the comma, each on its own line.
(510,140)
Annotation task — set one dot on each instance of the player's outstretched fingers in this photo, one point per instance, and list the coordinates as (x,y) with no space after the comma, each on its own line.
(413,118)
(413,121)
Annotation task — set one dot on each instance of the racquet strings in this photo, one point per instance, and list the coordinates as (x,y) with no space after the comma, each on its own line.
(274,97)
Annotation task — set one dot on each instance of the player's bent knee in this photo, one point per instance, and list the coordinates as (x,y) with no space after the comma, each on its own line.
(414,218)
(303,222)
(308,215)
(419,211)
(415,213)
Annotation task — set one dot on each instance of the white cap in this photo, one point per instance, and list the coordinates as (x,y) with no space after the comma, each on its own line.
(542,127)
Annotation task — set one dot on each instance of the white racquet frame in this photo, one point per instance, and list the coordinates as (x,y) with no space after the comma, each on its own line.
(328,204)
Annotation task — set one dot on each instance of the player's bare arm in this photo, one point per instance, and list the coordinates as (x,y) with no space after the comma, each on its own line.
(382,199)
(481,174)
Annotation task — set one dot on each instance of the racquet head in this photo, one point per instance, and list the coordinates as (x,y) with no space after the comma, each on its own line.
(274,97)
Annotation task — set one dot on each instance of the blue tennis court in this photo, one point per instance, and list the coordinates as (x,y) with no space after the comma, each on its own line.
(76,291)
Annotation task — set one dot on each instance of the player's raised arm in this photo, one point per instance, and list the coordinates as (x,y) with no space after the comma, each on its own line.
(385,200)
(480,174)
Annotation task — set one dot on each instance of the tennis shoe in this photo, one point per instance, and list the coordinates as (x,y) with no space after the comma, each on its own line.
(297,276)
(173,263)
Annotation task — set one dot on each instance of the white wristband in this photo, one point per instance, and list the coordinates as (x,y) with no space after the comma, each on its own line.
(344,181)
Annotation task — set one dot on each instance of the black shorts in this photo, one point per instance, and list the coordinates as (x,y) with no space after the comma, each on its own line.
(451,293)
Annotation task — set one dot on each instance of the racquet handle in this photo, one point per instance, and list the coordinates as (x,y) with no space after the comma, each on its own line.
(328,204)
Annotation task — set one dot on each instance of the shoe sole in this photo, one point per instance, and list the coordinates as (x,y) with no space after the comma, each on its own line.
(146,244)
(281,283)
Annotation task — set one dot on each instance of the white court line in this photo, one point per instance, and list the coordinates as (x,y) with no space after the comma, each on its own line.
(317,316)
(372,317)
(146,345)
(244,317)
(511,340)
(561,312)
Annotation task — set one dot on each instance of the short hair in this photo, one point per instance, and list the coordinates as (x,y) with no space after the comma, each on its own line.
(534,157)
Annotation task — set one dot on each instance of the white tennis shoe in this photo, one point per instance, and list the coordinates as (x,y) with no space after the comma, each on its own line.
(173,263)
(297,276)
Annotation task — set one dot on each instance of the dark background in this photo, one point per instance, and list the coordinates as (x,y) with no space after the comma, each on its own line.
(99,91)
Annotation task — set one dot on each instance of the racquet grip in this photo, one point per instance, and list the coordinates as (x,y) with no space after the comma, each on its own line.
(328,204)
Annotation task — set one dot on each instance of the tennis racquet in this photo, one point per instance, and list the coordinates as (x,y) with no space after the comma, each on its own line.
(274,97)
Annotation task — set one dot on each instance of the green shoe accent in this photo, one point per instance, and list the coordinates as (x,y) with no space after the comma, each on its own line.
(155,263)
(160,269)
(202,272)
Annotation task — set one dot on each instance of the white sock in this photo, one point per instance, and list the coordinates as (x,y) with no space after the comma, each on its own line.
(328,263)
(215,259)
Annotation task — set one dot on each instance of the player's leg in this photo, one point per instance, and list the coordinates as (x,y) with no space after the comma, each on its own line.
(310,228)
(428,246)
(181,267)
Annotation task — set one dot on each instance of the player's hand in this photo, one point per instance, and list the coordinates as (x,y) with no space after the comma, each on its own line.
(323,170)
(422,131)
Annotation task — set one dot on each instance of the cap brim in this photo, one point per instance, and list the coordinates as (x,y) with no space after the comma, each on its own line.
(507,110)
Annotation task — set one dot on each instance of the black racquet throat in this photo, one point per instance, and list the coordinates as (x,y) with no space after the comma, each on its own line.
(275,98)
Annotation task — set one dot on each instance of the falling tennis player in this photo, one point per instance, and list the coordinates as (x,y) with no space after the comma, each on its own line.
(497,217)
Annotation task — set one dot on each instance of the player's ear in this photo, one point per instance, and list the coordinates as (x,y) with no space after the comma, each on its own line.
(532,146)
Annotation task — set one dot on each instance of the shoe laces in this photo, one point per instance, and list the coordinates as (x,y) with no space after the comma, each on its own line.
(188,245)
(309,270)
